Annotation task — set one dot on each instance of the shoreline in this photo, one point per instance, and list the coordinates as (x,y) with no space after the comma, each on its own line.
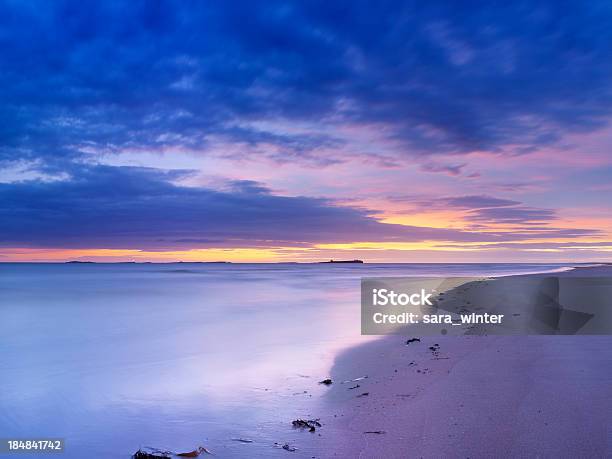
(244,404)
(472,396)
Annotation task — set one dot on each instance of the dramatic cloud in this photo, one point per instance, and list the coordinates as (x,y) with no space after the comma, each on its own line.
(441,77)
(269,104)
(113,207)
(142,208)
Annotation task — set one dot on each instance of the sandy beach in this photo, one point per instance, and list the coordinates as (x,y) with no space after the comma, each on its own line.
(472,396)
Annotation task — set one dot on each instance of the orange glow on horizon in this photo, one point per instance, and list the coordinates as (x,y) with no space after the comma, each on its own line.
(316,252)
(245,255)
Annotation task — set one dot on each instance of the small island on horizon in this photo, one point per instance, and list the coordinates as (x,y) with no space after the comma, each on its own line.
(342,261)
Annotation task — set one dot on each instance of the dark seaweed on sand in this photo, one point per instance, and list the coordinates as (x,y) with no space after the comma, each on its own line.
(309,424)
(140,454)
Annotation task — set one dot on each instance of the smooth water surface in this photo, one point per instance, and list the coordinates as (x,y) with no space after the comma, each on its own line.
(112,357)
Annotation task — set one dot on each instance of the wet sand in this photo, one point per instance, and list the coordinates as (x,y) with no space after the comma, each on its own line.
(472,396)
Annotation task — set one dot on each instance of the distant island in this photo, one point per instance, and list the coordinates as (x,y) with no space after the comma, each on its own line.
(343,261)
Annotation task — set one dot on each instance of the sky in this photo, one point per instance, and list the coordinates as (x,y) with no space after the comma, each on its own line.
(436,131)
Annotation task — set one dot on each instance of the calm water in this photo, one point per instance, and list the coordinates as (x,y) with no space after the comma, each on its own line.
(116,356)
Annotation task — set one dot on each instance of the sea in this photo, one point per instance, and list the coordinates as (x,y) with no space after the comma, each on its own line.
(120,356)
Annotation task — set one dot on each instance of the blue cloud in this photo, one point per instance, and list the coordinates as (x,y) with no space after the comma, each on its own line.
(443,76)
(142,208)
(127,207)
